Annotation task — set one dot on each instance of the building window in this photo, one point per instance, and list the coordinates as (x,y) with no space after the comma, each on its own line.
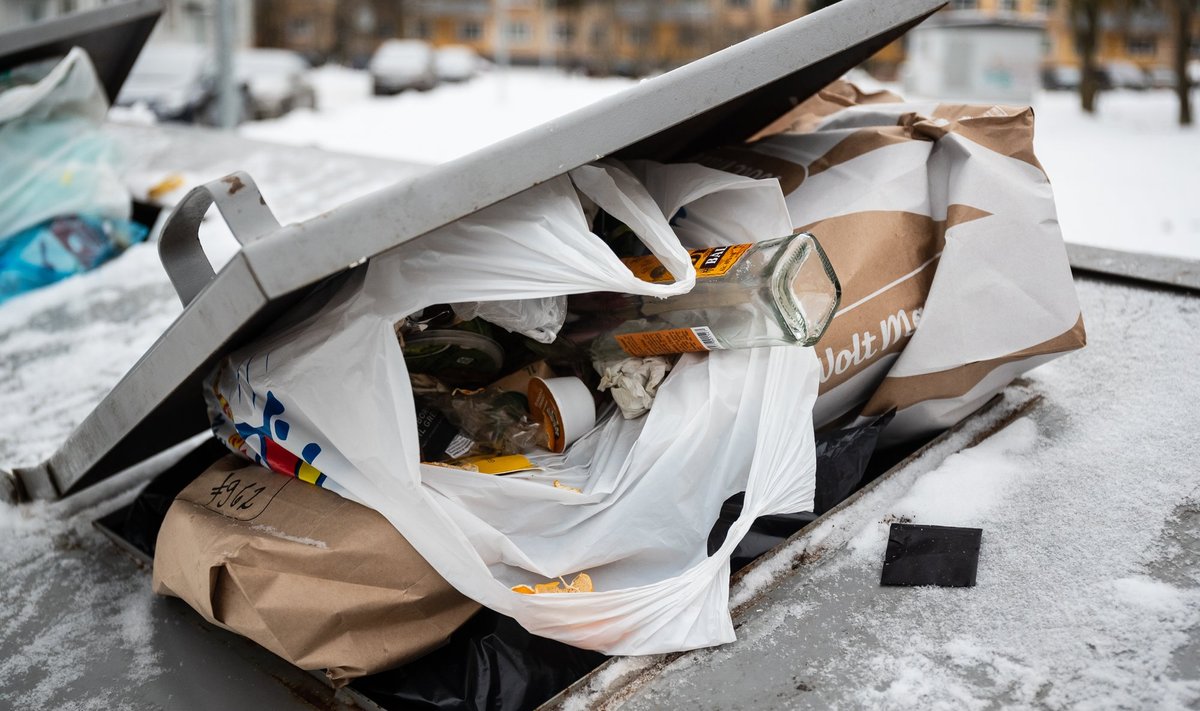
(1045,6)
(781,5)
(738,3)
(565,32)
(964,4)
(1008,5)
(1141,46)
(599,35)
(423,29)
(637,36)
(470,31)
(517,32)
(300,29)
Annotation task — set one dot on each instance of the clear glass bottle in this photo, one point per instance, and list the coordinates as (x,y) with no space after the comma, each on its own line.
(776,292)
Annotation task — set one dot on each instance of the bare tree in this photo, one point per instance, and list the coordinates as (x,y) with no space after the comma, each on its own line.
(1085,22)
(1183,11)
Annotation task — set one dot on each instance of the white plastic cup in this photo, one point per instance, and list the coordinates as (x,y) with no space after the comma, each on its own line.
(565,408)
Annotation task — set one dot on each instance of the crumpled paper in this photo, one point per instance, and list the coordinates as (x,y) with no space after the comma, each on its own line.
(634,382)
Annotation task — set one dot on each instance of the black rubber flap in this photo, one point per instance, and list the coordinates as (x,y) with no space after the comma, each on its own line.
(944,556)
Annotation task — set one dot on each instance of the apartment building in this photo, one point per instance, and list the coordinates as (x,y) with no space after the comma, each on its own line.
(1141,34)
(625,36)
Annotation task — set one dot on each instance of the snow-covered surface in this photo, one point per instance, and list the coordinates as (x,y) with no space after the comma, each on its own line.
(1088,577)
(1125,178)
(435,126)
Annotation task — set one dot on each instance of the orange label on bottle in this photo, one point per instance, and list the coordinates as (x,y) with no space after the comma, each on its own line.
(708,262)
(676,340)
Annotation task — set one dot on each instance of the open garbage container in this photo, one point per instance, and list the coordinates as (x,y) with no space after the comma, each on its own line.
(717,102)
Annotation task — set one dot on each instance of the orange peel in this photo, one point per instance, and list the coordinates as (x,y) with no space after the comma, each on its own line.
(581,583)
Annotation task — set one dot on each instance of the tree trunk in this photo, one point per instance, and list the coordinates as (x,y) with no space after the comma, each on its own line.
(1183,43)
(1086,17)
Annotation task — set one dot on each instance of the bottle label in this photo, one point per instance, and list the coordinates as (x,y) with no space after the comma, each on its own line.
(676,340)
(709,262)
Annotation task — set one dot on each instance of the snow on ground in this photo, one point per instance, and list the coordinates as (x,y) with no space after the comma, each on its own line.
(1064,619)
(1125,178)
(436,126)
(62,348)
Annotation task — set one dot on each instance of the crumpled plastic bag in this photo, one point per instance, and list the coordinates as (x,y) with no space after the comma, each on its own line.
(538,318)
(63,206)
(54,159)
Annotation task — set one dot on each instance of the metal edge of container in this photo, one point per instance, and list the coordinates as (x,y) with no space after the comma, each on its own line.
(608,687)
(1146,270)
(721,98)
(112,35)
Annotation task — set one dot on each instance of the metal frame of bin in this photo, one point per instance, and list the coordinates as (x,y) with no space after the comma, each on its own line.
(720,99)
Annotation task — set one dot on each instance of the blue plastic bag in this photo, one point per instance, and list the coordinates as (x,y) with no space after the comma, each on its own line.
(58,248)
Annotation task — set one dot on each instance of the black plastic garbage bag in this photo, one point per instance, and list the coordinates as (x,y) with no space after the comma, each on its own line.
(842,458)
(491,663)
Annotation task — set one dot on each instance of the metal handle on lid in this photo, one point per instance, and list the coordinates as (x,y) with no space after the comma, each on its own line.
(244,210)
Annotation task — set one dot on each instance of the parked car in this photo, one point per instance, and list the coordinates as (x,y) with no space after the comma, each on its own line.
(1161,77)
(1124,75)
(276,80)
(402,64)
(1059,78)
(455,62)
(173,80)
(178,83)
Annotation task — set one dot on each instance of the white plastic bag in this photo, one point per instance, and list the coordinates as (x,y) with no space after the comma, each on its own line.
(54,159)
(328,399)
(540,318)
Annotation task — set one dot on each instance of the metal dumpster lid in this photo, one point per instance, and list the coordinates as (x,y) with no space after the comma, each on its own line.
(720,99)
(112,36)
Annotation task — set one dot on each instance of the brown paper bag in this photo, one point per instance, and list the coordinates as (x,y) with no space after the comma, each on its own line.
(319,580)
(940,224)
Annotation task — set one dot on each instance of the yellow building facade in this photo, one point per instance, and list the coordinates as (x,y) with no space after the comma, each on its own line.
(640,36)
